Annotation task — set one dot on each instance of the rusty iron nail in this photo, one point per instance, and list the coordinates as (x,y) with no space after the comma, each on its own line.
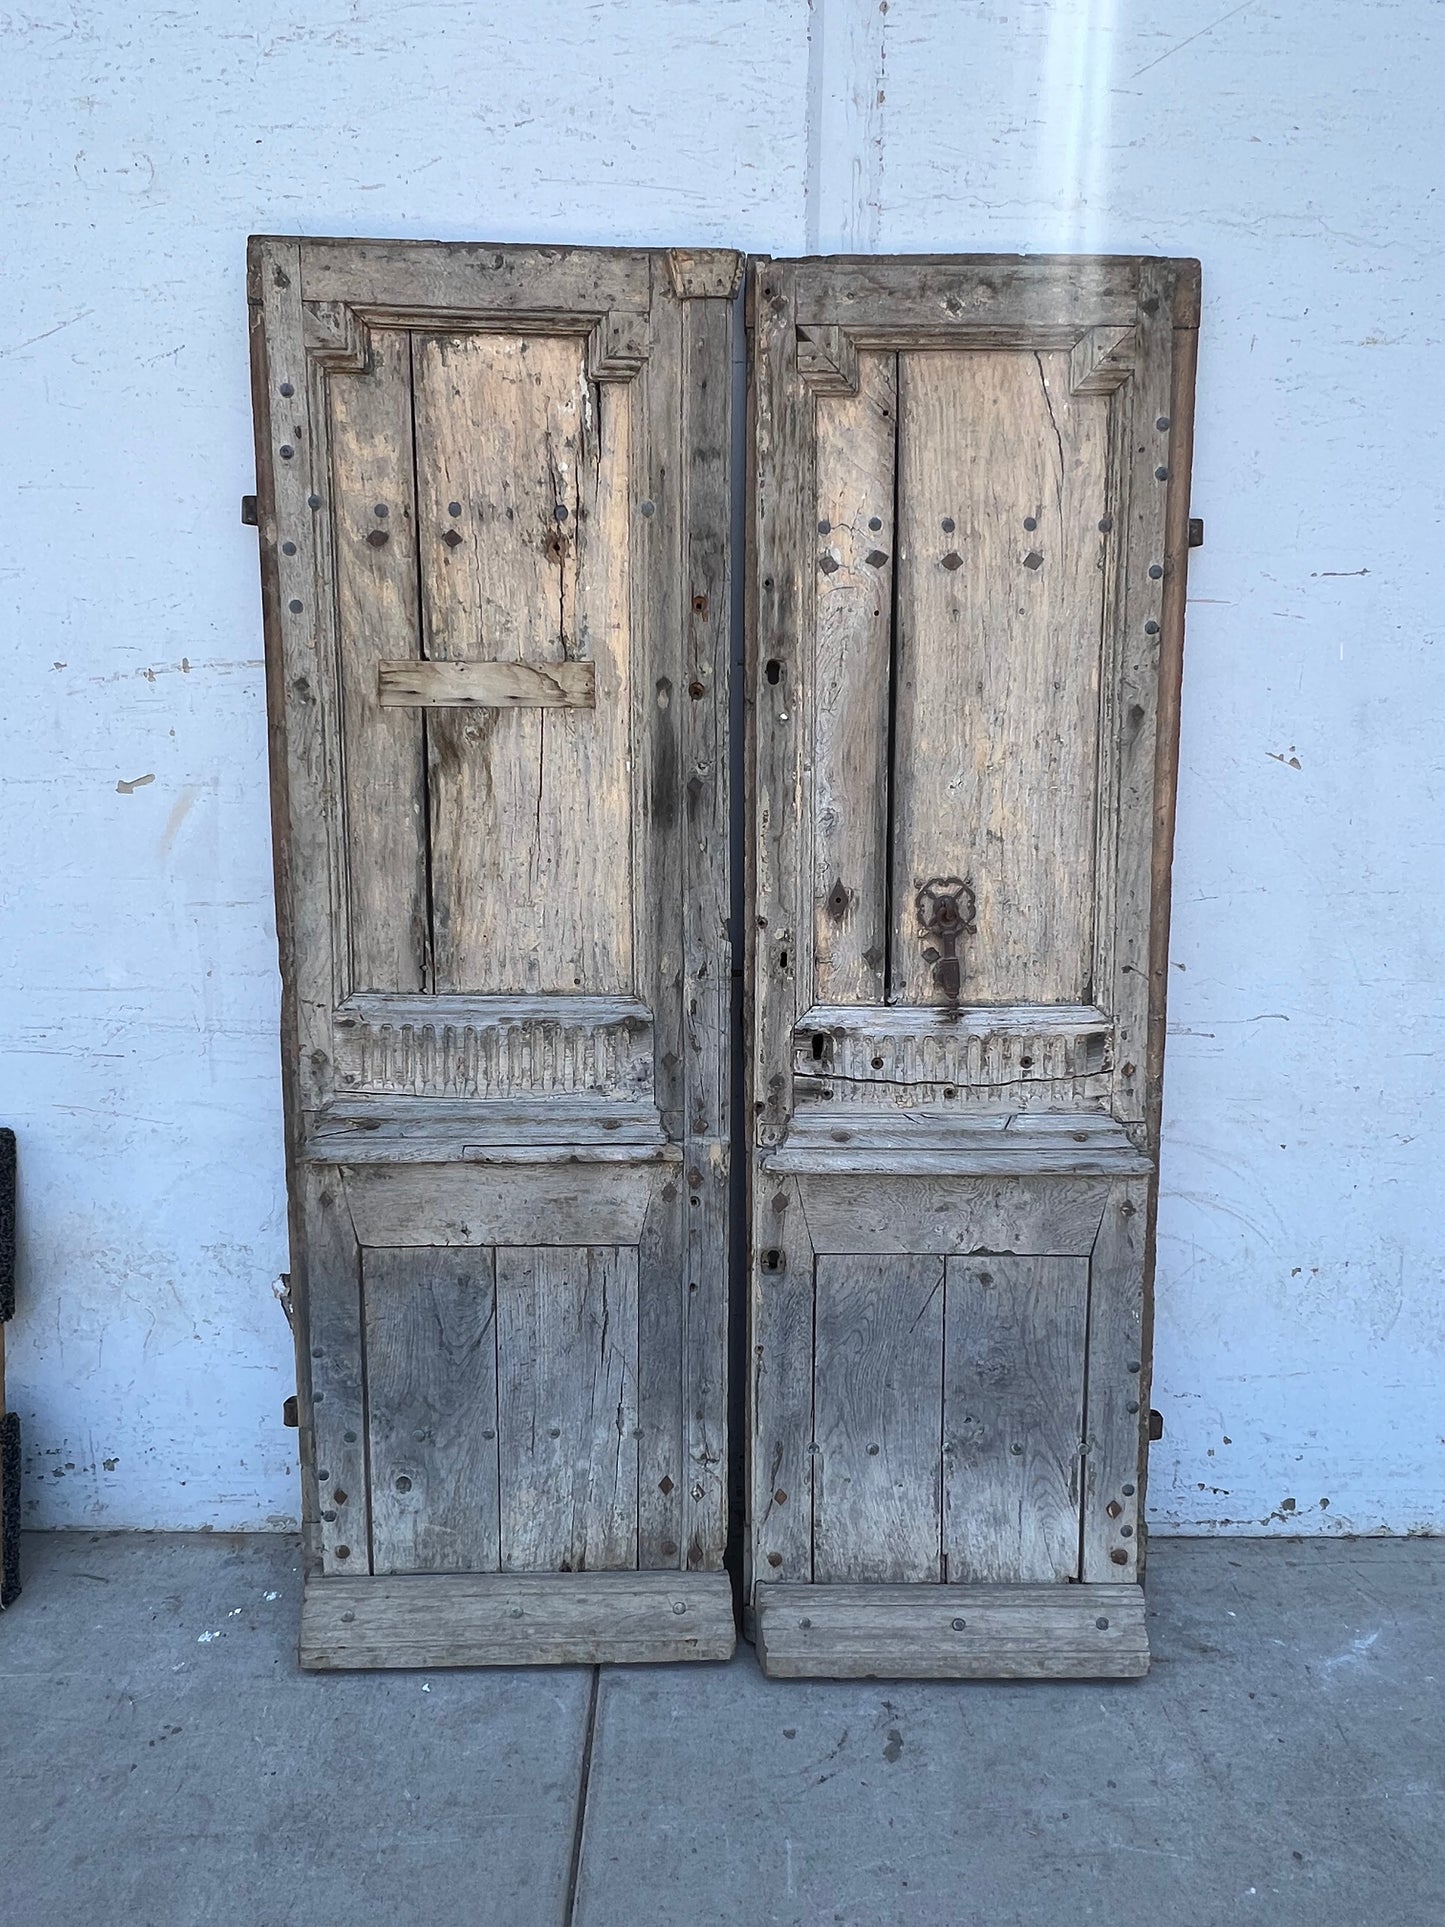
(287,389)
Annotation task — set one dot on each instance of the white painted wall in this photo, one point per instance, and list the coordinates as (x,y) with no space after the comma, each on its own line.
(1291,146)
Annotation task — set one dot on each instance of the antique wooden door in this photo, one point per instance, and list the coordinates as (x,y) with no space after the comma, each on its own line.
(968,502)
(493,510)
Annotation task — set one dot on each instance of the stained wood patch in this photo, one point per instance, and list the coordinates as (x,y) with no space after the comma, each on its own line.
(431,1401)
(1013,1385)
(567,1379)
(952,1632)
(516,1619)
(486,685)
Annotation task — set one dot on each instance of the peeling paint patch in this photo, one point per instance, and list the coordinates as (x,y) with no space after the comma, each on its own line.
(124,788)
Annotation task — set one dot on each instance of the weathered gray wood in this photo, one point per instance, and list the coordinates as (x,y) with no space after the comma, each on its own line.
(532,1202)
(952,1632)
(780,1392)
(1101,361)
(1013,1387)
(373,526)
(506,285)
(533,567)
(782,493)
(975,300)
(661,1377)
(308,908)
(877,1478)
(447,1130)
(856,437)
(954,1215)
(516,1619)
(1144,460)
(523,1048)
(567,1399)
(1116,1415)
(431,1404)
(933,1143)
(331,1384)
(1001,487)
(486,685)
(706,389)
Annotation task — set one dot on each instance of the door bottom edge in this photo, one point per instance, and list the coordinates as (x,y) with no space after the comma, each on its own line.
(437,1620)
(951,1631)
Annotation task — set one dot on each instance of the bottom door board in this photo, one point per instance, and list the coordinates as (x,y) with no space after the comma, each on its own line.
(951,1632)
(516,1619)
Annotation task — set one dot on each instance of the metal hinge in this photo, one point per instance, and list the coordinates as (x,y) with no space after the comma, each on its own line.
(253,521)
(1196,531)
(289,1415)
(1156,1424)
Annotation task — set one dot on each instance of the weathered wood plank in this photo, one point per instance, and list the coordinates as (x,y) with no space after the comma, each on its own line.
(567,1402)
(1013,1387)
(856,440)
(877,1419)
(1144,462)
(486,685)
(331,1376)
(530,1203)
(706,387)
(373,524)
(782,495)
(1001,489)
(431,1403)
(288,396)
(780,1408)
(1116,1415)
(512,283)
(516,1619)
(973,300)
(521,477)
(952,1632)
(955,1216)
(445,1130)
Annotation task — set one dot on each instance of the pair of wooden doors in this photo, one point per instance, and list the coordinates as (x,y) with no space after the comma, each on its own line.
(496,493)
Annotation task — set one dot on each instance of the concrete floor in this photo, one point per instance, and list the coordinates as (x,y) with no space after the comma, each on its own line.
(164,1764)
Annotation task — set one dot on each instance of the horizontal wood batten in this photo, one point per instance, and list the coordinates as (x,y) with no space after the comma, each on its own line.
(486,685)
(952,1632)
(525,1619)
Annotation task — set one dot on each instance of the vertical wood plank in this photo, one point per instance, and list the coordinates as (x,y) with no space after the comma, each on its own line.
(780,1394)
(661,1450)
(1143,487)
(431,1391)
(780,469)
(1117,1396)
(1013,1387)
(332,1392)
(374,546)
(878,1419)
(999,641)
(706,386)
(530,808)
(567,1399)
(856,439)
(303,803)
